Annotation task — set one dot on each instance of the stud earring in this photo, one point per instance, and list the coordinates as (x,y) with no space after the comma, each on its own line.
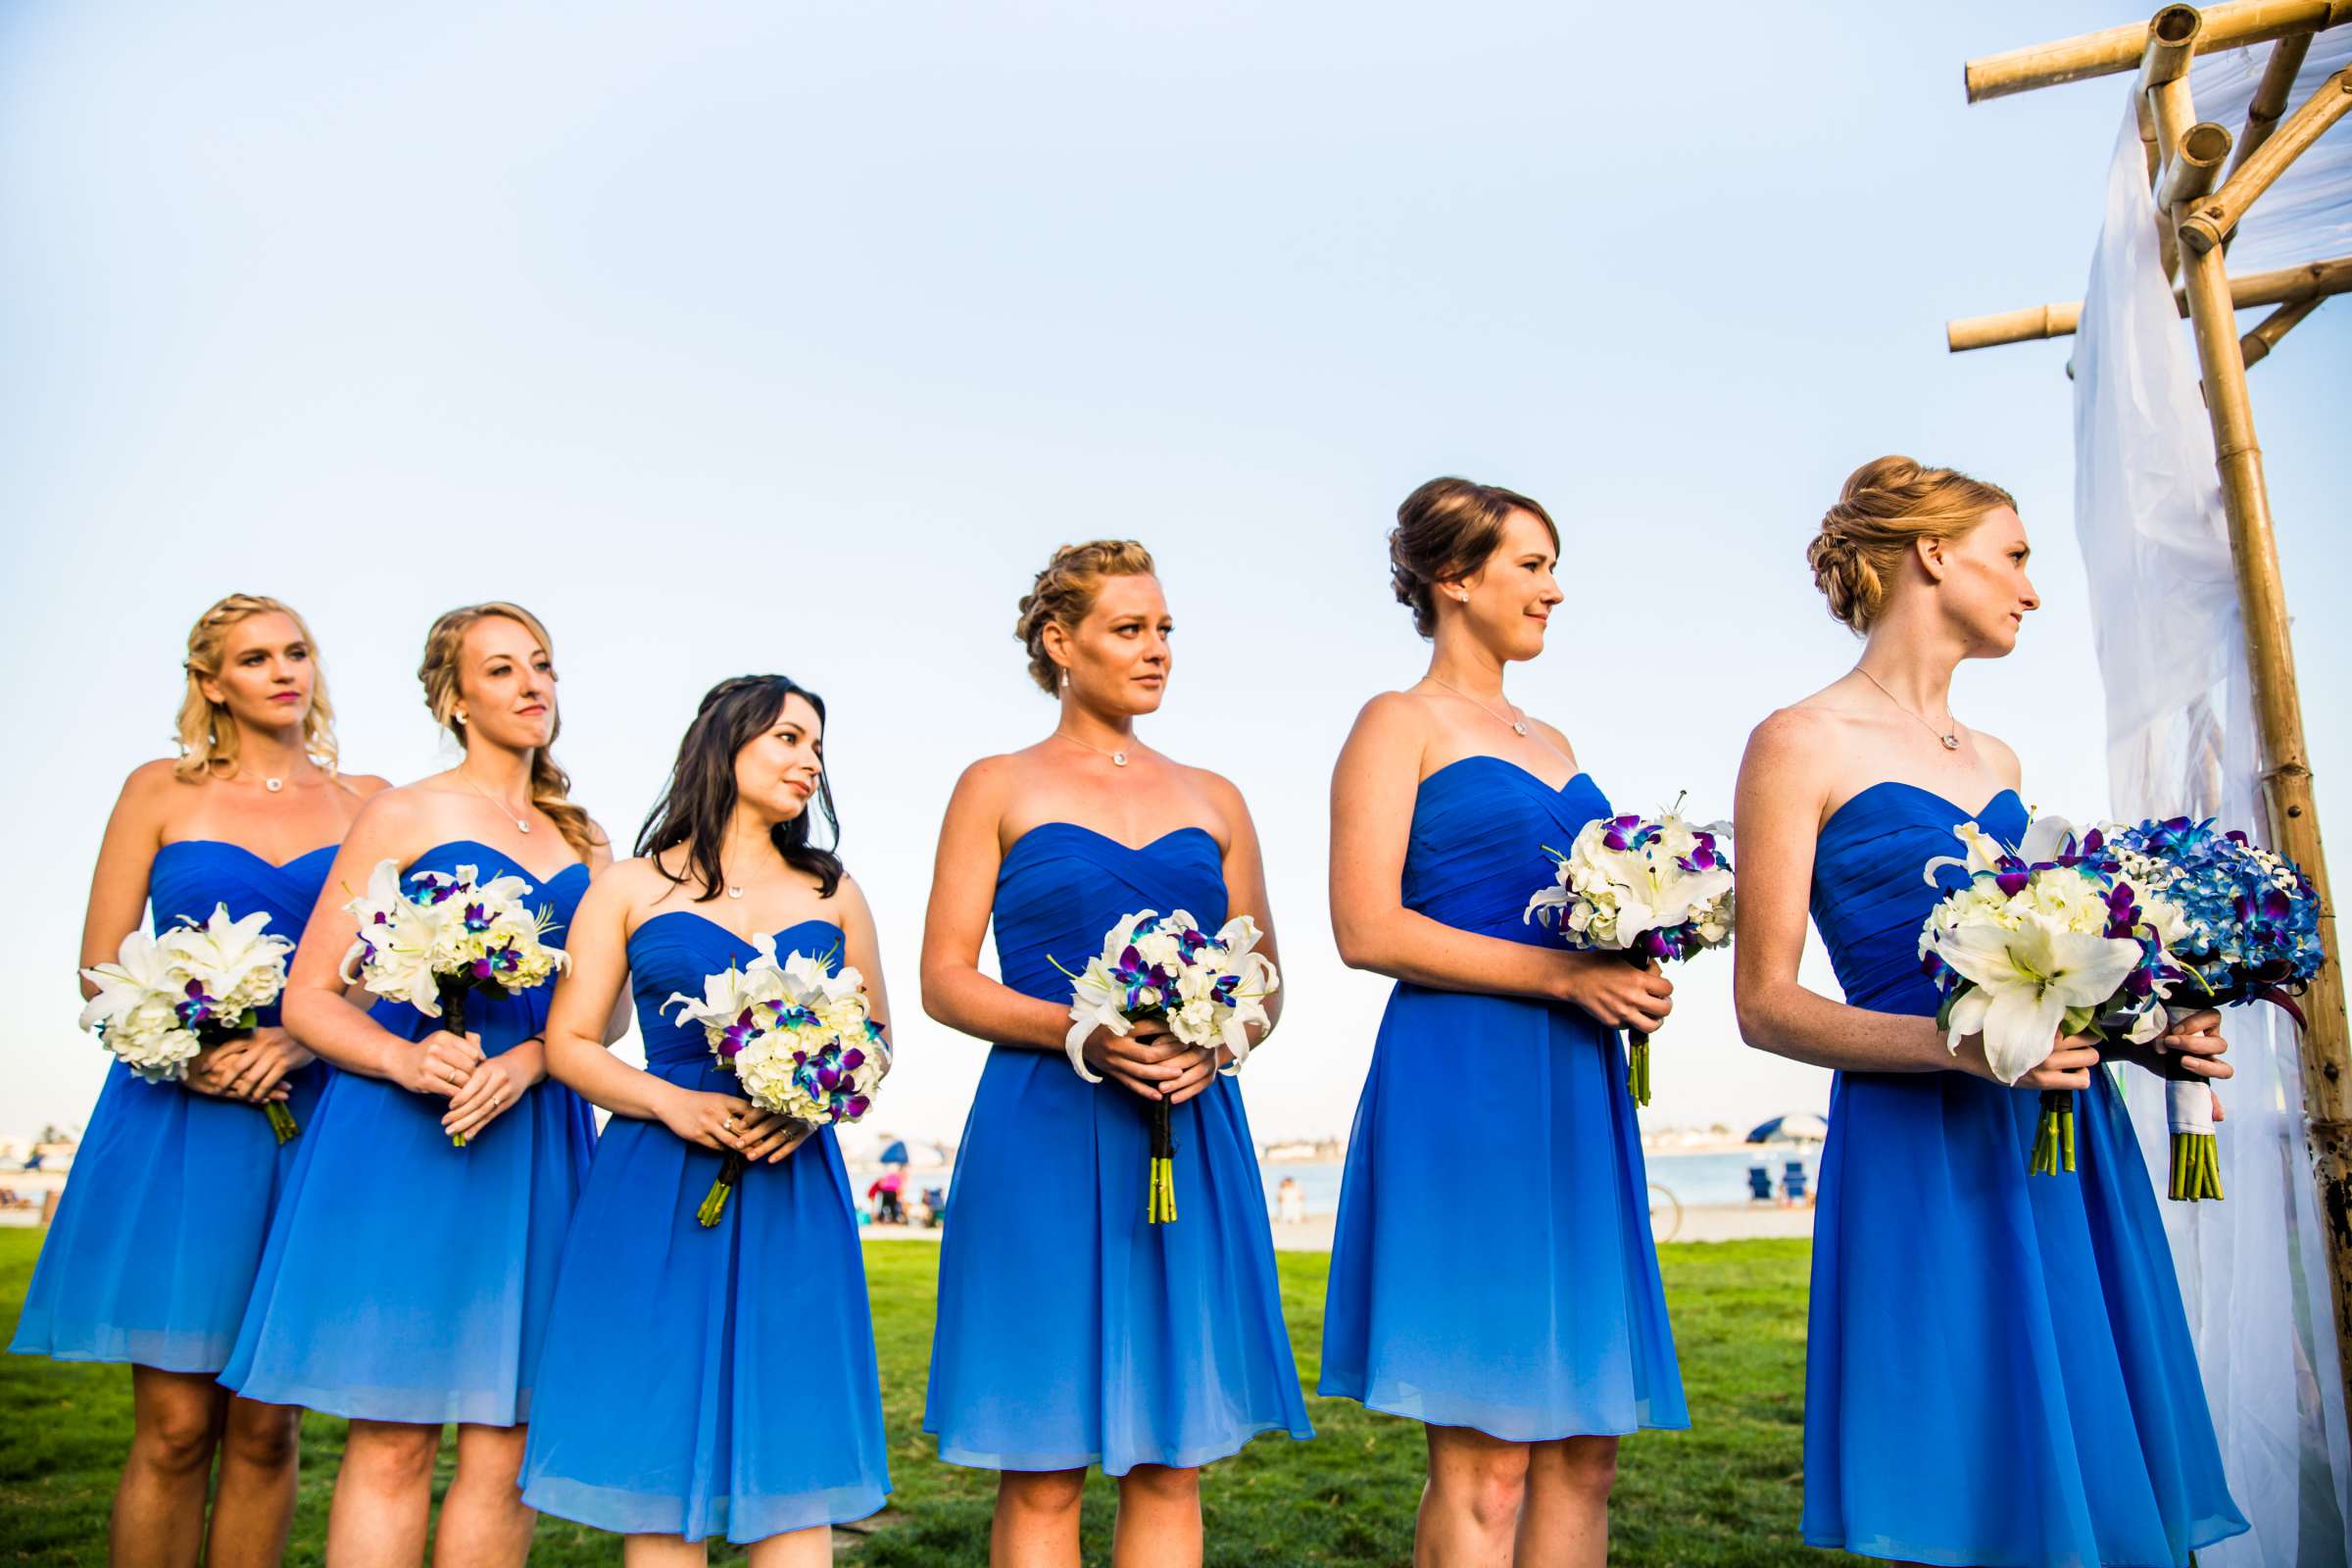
(460,715)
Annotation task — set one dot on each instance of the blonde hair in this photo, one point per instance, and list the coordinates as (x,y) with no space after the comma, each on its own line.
(207,736)
(1066,590)
(1887,506)
(551,786)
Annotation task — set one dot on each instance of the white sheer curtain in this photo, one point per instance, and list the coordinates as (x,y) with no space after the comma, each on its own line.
(2181,738)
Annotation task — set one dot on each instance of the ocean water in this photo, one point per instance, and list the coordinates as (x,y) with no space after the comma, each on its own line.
(1714,1178)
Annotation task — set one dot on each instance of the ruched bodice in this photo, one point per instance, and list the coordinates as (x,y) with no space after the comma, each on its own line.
(2079,1433)
(190,878)
(1062,887)
(1476,852)
(672,953)
(1870,898)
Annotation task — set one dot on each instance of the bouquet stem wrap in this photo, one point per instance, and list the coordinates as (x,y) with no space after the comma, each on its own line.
(2196,1157)
(453,1019)
(714,1202)
(1161,1208)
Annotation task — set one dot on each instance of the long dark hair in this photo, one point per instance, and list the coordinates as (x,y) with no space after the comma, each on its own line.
(698,801)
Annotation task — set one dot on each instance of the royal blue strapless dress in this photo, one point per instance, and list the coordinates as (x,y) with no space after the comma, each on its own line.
(406,1279)
(1493,1265)
(1073,1332)
(715,1381)
(1998,1371)
(152,1253)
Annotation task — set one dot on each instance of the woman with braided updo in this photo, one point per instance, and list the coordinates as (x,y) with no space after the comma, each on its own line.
(1998,1370)
(158,1237)
(1071,1332)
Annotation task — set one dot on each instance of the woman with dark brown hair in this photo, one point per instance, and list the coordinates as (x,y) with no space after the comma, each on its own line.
(157,1240)
(407,1281)
(1497,1037)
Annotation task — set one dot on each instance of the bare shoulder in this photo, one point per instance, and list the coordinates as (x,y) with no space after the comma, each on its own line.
(1220,791)
(852,899)
(153,783)
(989,782)
(1394,715)
(366,786)
(2002,756)
(1553,733)
(1799,730)
(600,844)
(394,808)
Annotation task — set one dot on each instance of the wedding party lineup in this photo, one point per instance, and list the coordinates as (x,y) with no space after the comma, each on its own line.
(455,1175)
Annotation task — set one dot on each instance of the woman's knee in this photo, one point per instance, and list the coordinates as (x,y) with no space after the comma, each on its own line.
(178,1436)
(266,1437)
(1486,1479)
(1042,1492)
(1162,1483)
(1586,1466)
(390,1454)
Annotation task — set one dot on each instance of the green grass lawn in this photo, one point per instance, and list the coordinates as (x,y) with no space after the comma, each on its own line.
(1724,1493)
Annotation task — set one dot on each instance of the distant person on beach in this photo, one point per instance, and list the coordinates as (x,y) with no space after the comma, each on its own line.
(884,1196)
(1290,1202)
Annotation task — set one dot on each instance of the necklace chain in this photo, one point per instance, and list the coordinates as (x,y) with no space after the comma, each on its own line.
(521,825)
(1518,727)
(1118,758)
(1949,736)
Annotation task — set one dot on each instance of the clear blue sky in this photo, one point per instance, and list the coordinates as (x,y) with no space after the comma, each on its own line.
(749,336)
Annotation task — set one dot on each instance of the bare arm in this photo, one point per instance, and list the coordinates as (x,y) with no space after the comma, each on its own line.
(118,883)
(1372,794)
(963,883)
(316,1010)
(1784,783)
(1245,885)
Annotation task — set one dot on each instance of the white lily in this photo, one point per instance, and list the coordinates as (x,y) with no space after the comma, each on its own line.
(2023,982)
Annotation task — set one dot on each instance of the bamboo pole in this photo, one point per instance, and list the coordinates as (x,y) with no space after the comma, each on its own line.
(2270,96)
(2256,345)
(2196,163)
(2288,285)
(2163,86)
(2294,823)
(2118,49)
(2218,215)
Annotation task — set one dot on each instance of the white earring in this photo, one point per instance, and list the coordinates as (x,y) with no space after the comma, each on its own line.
(1065,680)
(460,715)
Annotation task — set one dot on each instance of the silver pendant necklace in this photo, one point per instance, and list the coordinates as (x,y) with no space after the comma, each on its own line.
(273,785)
(1118,758)
(1518,725)
(521,826)
(1950,737)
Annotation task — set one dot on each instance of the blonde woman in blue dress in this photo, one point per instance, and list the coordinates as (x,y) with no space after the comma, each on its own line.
(158,1236)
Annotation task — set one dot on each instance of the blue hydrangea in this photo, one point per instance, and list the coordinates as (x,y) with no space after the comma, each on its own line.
(2253,916)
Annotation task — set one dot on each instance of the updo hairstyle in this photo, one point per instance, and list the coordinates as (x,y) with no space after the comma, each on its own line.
(1445,532)
(1886,508)
(1066,590)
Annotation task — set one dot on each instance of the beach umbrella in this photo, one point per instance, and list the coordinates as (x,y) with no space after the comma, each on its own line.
(896,1154)
(1799,1127)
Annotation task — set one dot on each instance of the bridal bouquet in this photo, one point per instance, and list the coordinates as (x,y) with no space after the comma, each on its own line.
(2251,932)
(1643,887)
(445,936)
(800,1037)
(165,997)
(1207,989)
(2050,938)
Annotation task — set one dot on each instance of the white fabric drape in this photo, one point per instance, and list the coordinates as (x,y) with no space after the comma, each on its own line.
(2181,739)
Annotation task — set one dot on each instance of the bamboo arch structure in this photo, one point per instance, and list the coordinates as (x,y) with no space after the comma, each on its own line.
(2205,177)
